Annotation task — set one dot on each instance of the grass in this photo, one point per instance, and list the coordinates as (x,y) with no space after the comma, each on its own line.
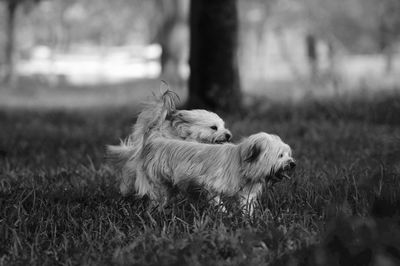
(59,204)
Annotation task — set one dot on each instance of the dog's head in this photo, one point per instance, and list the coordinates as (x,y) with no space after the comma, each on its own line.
(266,156)
(200,125)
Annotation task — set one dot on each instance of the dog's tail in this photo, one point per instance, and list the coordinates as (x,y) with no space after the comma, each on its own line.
(150,119)
(118,155)
(165,108)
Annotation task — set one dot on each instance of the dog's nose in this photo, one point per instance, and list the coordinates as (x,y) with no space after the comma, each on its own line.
(292,165)
(228,136)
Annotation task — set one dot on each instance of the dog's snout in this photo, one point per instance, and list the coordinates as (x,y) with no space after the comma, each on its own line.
(228,136)
(290,165)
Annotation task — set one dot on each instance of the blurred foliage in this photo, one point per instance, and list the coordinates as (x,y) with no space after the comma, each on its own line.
(62,23)
(358,25)
(106,23)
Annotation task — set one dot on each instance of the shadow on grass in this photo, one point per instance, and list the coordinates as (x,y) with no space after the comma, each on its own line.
(31,93)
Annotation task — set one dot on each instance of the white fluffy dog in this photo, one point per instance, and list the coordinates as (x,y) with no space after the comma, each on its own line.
(188,125)
(230,170)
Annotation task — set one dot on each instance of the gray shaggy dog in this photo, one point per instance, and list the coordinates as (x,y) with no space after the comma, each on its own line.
(189,125)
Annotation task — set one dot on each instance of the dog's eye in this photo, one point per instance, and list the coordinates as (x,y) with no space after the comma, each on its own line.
(281,155)
(214,127)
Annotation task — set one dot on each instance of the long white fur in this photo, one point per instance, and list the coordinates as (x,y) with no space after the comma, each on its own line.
(188,125)
(227,169)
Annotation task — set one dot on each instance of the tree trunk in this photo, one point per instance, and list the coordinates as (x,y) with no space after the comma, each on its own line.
(312,55)
(10,43)
(173,36)
(173,13)
(214,78)
(388,54)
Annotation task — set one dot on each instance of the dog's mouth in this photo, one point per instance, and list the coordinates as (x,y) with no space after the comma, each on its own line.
(214,141)
(283,174)
(223,138)
(279,176)
(220,141)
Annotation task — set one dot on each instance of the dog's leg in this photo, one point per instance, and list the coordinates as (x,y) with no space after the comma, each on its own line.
(216,201)
(156,190)
(127,181)
(247,204)
(128,177)
(143,184)
(163,195)
(248,198)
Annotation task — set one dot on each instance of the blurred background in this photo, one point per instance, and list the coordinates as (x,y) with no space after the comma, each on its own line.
(68,53)
(324,75)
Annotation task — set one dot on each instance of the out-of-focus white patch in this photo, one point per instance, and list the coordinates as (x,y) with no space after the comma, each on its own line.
(94,66)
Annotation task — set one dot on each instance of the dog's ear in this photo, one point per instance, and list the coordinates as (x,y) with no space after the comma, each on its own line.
(179,124)
(170,99)
(178,117)
(171,115)
(251,152)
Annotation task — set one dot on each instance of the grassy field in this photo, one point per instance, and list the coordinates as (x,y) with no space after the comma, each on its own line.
(59,204)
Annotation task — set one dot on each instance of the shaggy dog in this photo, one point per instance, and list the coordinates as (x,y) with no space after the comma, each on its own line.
(188,125)
(233,170)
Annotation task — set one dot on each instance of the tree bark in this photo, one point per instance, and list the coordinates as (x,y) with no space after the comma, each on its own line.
(214,77)
(10,43)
